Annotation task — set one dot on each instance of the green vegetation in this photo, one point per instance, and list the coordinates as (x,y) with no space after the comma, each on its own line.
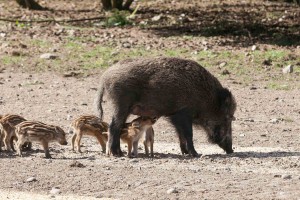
(118,18)
(85,54)
(278,86)
(10,60)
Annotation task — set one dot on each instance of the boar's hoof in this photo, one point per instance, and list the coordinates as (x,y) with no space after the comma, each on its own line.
(229,151)
(184,149)
(194,154)
(116,153)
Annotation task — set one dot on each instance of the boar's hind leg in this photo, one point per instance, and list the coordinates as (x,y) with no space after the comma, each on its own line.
(182,120)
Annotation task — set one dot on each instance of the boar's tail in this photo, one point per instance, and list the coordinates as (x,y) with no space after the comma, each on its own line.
(99,102)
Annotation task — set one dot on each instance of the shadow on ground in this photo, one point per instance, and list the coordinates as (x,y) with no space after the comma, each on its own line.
(252,154)
(245,24)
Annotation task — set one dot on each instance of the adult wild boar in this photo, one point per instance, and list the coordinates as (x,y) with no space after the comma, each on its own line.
(179,89)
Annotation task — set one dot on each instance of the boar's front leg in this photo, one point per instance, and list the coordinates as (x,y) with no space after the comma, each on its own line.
(113,143)
(118,120)
(182,120)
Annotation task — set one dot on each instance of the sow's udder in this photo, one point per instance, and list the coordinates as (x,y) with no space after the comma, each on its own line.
(143,111)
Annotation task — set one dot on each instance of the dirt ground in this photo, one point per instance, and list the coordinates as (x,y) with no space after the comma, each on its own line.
(266,134)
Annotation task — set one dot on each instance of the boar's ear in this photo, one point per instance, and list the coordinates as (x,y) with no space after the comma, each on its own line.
(225,100)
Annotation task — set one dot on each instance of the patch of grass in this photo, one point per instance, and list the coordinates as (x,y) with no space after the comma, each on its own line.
(33,83)
(11,60)
(273,15)
(204,57)
(73,45)
(277,57)
(174,52)
(278,86)
(40,43)
(118,18)
(98,57)
(289,120)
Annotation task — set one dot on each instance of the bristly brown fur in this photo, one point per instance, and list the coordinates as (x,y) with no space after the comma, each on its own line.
(7,129)
(179,89)
(33,131)
(89,125)
(133,131)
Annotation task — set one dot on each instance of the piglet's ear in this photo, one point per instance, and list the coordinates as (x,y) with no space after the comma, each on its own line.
(56,129)
(59,130)
(104,133)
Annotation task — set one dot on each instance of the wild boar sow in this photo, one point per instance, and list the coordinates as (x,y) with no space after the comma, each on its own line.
(179,89)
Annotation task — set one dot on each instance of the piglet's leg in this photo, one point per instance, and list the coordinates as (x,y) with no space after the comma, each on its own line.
(46,149)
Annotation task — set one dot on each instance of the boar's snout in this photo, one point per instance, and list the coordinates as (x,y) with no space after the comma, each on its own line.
(226,144)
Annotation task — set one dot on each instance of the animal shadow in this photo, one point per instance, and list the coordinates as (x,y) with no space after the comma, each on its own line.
(253,154)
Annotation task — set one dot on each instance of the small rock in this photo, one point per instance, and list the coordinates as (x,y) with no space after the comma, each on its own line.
(2,35)
(72,74)
(242,135)
(286,176)
(84,104)
(115,53)
(274,121)
(91,158)
(55,190)
(267,62)
(71,32)
(148,48)
(254,47)
(48,56)
(69,117)
(225,72)
(126,45)
(288,69)
(277,176)
(134,161)
(31,179)
(16,53)
(222,64)
(156,18)
(172,190)
(76,164)
(24,46)
(263,135)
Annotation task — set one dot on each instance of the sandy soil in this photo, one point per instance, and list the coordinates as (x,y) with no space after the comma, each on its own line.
(266,134)
(265,165)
